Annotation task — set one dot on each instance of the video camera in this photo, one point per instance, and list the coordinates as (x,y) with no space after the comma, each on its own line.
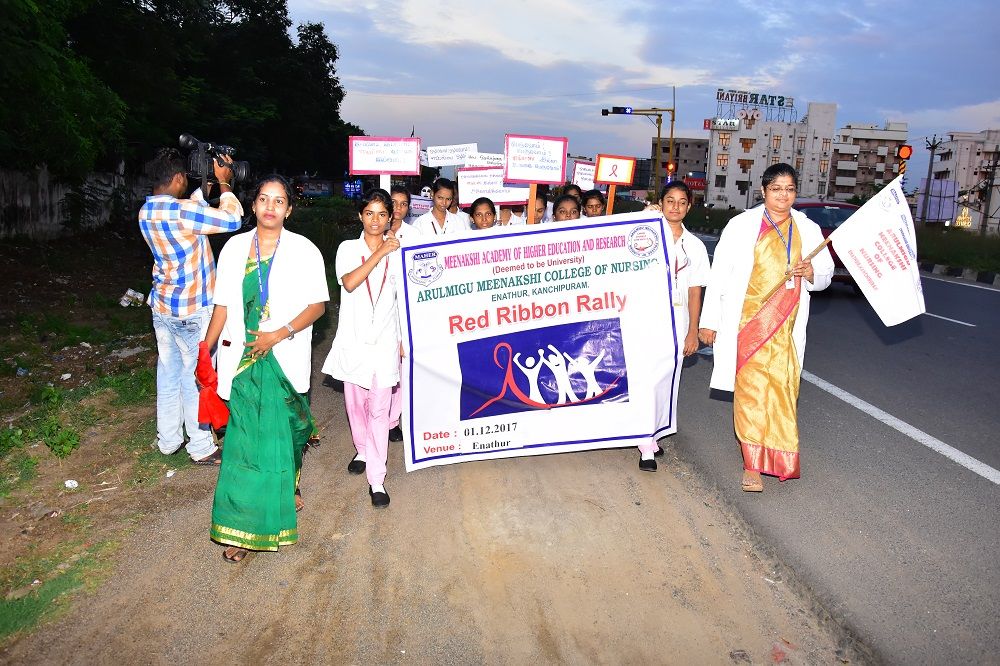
(201,156)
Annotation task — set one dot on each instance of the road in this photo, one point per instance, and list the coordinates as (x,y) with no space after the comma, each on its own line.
(896,539)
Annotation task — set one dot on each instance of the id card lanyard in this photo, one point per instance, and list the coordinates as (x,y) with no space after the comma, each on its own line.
(678,267)
(790,283)
(262,282)
(375,299)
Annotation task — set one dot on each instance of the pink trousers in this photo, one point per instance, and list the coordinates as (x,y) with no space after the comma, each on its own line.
(368,414)
(647,446)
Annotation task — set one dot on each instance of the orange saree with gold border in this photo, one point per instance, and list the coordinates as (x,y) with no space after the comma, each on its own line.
(767,366)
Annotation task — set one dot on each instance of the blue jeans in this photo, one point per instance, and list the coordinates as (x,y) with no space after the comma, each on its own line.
(177,341)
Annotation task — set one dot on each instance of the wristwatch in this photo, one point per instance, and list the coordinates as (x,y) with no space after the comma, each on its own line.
(291,331)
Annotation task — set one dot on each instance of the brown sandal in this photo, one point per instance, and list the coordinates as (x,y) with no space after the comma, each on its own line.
(234,554)
(751,483)
(299,503)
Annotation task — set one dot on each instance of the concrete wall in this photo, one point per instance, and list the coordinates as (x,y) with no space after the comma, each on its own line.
(36,206)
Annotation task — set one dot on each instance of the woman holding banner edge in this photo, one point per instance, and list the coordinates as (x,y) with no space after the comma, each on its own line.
(365,350)
(759,333)
(689,270)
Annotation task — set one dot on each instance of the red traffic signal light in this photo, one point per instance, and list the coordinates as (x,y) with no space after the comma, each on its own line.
(671,167)
(904,152)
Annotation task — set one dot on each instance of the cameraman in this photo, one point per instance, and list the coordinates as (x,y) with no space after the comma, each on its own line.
(183,279)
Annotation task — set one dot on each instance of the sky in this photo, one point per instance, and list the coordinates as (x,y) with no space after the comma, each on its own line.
(464,72)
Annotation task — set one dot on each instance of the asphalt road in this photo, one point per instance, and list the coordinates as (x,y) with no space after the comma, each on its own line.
(899,542)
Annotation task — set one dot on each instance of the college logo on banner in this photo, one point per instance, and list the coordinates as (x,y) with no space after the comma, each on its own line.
(426,268)
(567,365)
(642,240)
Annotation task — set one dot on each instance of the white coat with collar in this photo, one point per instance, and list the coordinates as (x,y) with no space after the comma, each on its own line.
(730,277)
(297,279)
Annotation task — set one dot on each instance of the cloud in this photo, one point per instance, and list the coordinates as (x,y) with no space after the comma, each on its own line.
(964,118)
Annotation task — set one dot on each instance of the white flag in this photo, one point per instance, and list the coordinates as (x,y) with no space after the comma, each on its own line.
(879,248)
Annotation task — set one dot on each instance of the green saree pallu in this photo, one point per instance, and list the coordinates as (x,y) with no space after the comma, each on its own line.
(269,425)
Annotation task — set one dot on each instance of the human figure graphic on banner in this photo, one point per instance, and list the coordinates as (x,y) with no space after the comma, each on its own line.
(588,370)
(531,368)
(559,371)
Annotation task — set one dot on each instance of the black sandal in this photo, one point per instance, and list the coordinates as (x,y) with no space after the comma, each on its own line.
(237,555)
(298,496)
(213,460)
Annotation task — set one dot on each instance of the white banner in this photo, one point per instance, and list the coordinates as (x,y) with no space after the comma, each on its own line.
(439,156)
(423,158)
(583,175)
(484,159)
(535,159)
(475,182)
(541,339)
(878,246)
(383,155)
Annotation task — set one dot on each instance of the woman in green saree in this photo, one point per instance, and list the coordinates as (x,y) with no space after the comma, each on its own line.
(271,287)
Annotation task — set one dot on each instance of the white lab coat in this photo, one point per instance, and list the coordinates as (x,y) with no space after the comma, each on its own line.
(730,277)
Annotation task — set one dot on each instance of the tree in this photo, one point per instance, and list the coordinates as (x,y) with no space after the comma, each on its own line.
(55,110)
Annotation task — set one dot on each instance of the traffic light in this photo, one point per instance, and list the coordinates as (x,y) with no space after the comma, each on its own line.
(671,167)
(626,110)
(904,153)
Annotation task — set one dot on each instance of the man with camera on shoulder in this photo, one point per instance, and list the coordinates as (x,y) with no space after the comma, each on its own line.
(176,229)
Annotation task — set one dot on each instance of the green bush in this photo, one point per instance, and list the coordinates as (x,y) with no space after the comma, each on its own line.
(959,248)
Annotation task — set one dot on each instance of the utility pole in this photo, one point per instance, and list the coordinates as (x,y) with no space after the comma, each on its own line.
(990,179)
(932,145)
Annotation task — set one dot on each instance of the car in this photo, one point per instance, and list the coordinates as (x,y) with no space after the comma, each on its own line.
(829,215)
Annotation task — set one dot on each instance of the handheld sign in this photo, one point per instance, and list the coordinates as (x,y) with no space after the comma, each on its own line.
(484,159)
(380,155)
(475,182)
(583,175)
(534,160)
(613,170)
(539,160)
(439,156)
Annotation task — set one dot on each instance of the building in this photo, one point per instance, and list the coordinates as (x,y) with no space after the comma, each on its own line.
(970,159)
(643,174)
(752,131)
(690,156)
(864,158)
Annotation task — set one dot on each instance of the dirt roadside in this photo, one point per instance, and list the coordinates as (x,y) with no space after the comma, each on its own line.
(574,558)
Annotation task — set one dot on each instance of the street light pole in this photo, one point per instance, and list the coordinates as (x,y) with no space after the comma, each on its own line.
(932,145)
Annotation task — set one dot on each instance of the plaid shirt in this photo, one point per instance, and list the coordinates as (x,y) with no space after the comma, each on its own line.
(184,268)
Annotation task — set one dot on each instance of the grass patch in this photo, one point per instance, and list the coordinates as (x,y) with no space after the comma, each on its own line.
(16,470)
(130,387)
(150,464)
(958,247)
(61,574)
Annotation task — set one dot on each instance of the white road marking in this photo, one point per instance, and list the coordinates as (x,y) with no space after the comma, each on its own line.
(958,282)
(934,444)
(963,323)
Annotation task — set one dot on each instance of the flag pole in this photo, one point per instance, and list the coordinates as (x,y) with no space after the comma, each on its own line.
(809,257)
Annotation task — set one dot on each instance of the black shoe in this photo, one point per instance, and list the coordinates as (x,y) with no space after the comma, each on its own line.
(647,465)
(396,434)
(356,466)
(659,451)
(379,499)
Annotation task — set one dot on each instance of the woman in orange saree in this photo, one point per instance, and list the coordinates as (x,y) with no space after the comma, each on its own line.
(761,331)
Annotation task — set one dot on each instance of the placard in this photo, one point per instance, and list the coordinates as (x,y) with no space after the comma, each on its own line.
(380,155)
(439,156)
(475,182)
(535,159)
(542,340)
(484,159)
(583,175)
(614,170)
